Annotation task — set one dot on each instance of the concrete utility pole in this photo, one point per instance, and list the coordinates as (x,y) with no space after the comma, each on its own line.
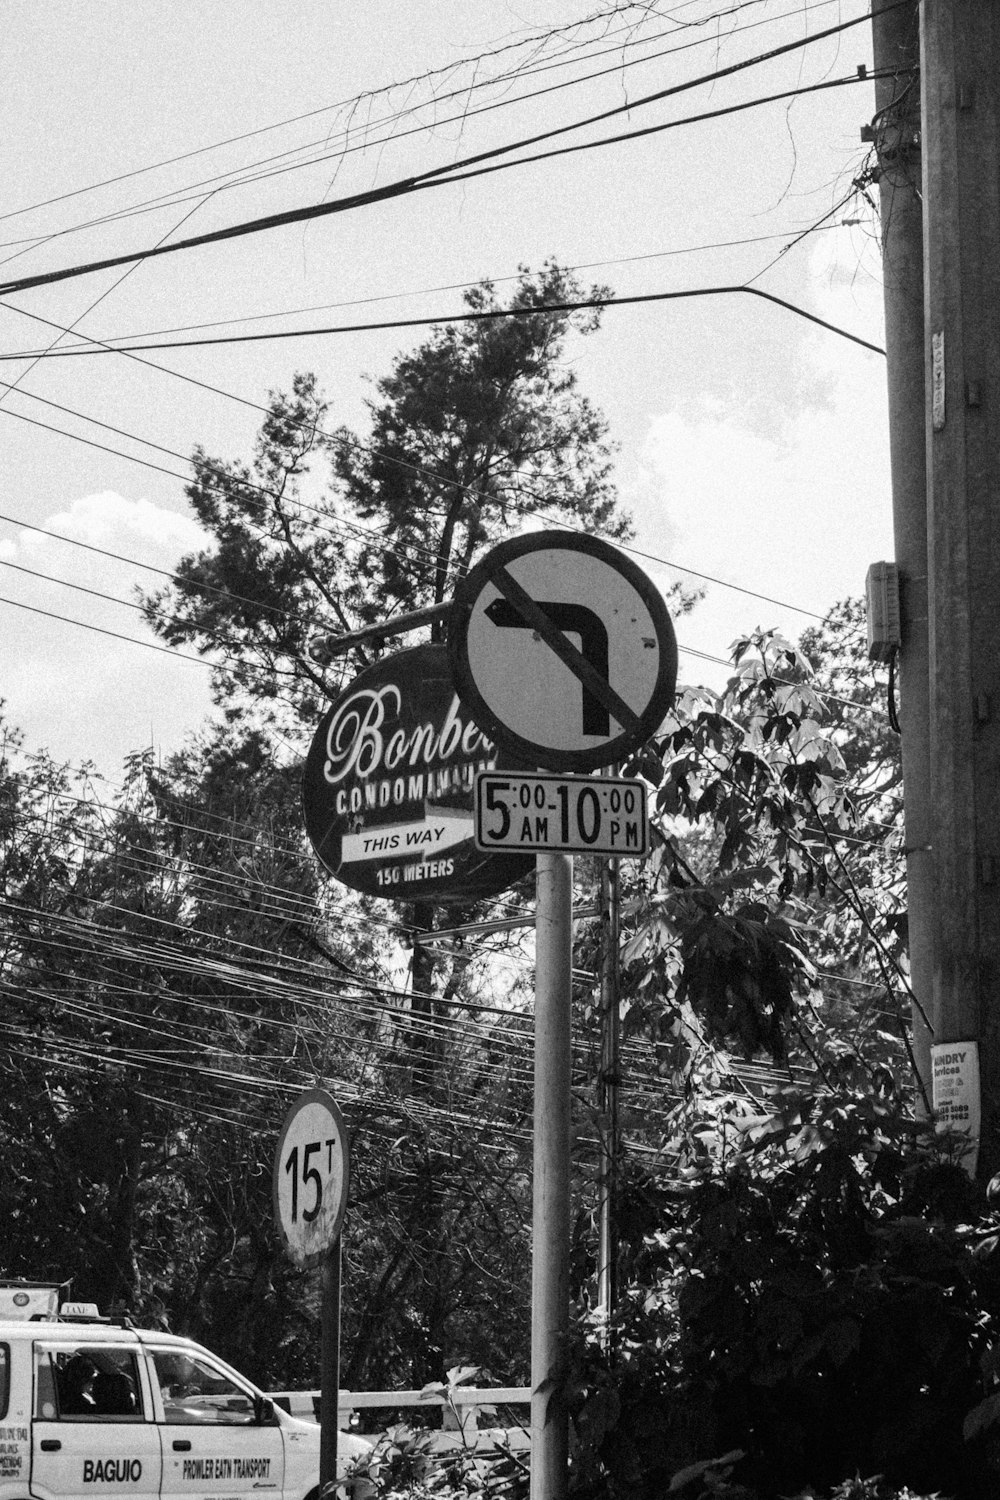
(896,135)
(960,45)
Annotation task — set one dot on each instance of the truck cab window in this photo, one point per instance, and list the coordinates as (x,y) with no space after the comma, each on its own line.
(195,1391)
(87,1384)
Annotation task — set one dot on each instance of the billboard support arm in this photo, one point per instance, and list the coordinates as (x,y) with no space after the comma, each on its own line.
(336,645)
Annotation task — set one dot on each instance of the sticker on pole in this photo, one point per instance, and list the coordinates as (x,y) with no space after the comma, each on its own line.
(310,1177)
(955,1094)
(562,650)
(568,814)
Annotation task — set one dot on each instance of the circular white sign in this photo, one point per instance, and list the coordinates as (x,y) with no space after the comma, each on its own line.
(563,650)
(310,1177)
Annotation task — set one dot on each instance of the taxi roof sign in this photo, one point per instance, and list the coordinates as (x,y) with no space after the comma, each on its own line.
(29,1299)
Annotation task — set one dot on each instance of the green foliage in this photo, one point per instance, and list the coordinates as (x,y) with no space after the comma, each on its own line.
(409,1463)
(420,1462)
(162,959)
(769,920)
(737,972)
(479,426)
(473,429)
(820,1299)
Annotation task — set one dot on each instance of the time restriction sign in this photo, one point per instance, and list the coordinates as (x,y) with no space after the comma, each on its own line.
(572,814)
(310,1177)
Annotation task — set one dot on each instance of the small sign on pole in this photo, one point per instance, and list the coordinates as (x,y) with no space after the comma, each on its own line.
(310,1177)
(955,1094)
(572,814)
(310,1183)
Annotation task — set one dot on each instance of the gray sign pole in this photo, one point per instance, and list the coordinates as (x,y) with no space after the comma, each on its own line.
(329,1377)
(550,1190)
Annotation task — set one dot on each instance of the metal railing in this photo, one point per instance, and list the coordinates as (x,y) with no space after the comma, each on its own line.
(467,1401)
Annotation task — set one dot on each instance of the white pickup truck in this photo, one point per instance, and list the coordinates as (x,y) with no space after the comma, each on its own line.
(89,1408)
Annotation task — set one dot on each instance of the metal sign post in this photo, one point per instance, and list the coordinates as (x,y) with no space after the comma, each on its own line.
(550,1185)
(607,1093)
(310,1183)
(329,1372)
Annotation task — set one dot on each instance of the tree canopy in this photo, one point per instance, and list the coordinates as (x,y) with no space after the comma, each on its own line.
(478,428)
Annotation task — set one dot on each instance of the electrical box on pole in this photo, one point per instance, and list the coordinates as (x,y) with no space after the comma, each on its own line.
(882,611)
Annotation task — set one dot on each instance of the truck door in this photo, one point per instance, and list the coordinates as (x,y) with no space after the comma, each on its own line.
(93,1432)
(213,1444)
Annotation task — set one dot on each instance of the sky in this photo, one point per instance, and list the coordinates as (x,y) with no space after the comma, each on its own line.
(752,443)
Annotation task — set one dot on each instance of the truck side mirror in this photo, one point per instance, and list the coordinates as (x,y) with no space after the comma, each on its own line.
(263,1411)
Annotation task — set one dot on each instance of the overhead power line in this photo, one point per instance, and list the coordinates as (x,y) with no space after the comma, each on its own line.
(132,562)
(262,490)
(434,176)
(132,640)
(115,343)
(284,672)
(487,316)
(256,406)
(249,174)
(532,40)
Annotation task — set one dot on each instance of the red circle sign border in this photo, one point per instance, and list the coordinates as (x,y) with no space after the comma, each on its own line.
(326,1099)
(552,758)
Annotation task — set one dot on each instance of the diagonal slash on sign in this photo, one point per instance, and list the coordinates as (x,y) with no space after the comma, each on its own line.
(535,618)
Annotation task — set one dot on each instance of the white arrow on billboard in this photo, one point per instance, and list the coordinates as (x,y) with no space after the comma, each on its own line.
(413,840)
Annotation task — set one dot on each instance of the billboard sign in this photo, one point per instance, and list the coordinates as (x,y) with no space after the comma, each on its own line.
(388,784)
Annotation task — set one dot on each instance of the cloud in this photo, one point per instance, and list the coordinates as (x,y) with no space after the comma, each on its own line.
(795,511)
(134,528)
(72,673)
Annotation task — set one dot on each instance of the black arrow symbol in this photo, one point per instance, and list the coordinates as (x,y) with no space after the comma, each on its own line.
(593,634)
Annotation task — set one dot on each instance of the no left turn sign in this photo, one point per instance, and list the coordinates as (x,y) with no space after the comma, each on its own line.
(563,650)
